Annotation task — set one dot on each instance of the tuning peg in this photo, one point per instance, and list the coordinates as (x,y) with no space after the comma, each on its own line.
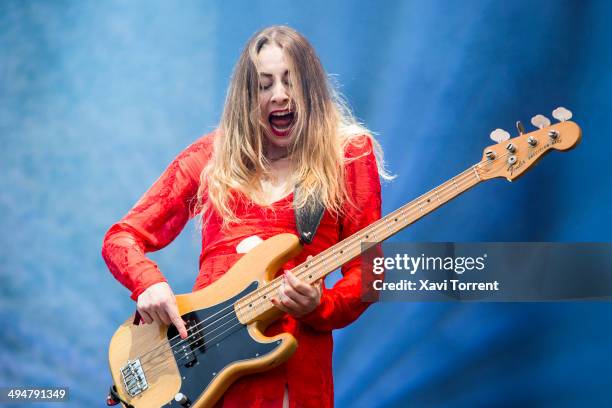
(562,114)
(499,135)
(540,121)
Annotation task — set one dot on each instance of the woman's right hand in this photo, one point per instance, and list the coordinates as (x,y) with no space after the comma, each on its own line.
(157,303)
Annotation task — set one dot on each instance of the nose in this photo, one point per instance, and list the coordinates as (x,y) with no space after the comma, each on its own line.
(280,96)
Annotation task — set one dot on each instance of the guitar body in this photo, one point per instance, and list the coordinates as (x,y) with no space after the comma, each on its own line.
(151,366)
(221,348)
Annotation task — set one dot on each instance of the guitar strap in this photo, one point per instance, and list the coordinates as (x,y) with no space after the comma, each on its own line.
(114,398)
(307,218)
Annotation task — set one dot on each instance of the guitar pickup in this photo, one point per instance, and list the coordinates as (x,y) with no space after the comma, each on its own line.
(185,350)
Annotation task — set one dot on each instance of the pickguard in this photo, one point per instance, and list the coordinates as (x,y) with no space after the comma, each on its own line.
(217,340)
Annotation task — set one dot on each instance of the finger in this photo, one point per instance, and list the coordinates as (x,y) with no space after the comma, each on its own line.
(177,321)
(291,305)
(163,315)
(319,286)
(155,316)
(295,296)
(279,305)
(145,317)
(299,285)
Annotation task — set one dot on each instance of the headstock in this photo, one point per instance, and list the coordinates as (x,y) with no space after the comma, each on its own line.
(511,157)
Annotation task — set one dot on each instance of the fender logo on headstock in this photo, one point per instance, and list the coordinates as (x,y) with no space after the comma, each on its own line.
(533,153)
(540,149)
(517,166)
(510,157)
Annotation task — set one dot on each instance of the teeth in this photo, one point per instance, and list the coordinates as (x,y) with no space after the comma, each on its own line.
(279,113)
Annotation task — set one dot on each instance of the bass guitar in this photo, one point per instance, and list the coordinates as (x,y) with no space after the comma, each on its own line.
(152,366)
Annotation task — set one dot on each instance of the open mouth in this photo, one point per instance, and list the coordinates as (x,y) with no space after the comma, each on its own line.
(281,122)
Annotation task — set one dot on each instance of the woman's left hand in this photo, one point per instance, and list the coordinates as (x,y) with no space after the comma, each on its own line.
(297,297)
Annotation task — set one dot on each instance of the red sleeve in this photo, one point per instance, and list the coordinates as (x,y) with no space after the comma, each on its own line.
(342,304)
(155,220)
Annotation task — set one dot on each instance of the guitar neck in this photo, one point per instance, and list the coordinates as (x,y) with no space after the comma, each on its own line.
(337,255)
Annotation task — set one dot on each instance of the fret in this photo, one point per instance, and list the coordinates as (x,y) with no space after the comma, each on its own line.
(476,172)
(334,257)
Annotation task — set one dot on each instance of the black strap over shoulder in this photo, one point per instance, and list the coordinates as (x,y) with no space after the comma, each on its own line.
(307,218)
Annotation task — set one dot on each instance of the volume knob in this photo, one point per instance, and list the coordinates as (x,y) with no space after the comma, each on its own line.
(182,399)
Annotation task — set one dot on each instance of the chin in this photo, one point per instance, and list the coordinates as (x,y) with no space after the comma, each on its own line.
(279,139)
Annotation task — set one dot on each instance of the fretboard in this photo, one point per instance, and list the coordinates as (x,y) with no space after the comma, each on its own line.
(258,302)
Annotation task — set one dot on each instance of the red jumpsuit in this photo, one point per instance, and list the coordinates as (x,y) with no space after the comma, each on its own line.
(162,212)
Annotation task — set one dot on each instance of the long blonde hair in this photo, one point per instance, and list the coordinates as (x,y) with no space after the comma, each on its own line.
(324,127)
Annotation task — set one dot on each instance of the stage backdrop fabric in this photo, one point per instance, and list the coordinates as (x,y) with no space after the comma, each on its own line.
(96,98)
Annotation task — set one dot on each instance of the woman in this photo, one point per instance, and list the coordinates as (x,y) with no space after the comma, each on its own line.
(282,126)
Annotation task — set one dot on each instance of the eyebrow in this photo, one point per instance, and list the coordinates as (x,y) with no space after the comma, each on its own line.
(267,75)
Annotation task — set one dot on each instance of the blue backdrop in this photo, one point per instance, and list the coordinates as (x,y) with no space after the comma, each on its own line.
(96,98)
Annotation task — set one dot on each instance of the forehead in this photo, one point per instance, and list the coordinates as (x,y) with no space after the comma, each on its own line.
(271,60)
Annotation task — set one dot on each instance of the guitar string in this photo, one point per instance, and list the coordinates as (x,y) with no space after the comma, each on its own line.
(271,285)
(459,181)
(323,257)
(210,340)
(163,365)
